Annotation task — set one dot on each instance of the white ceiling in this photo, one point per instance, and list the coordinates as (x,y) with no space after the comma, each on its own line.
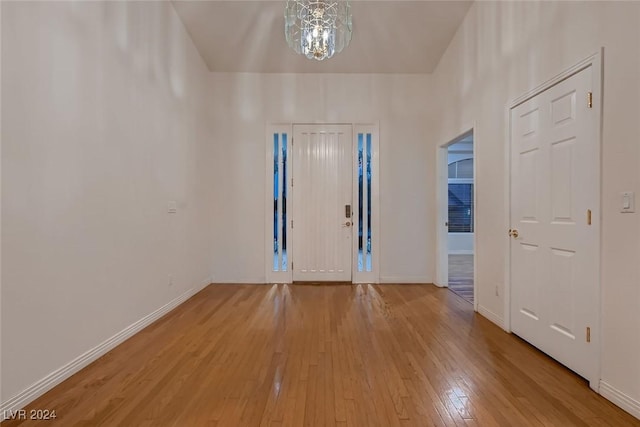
(388,36)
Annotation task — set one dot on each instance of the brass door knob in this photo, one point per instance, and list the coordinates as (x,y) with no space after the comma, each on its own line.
(513,233)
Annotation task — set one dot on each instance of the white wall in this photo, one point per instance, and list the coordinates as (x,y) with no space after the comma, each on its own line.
(460,243)
(504,49)
(104,114)
(245,103)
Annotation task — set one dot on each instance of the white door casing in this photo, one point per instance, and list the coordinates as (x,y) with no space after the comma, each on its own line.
(554,217)
(322,188)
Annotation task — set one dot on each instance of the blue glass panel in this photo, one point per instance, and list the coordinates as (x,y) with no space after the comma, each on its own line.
(360,199)
(284,202)
(275,201)
(368,202)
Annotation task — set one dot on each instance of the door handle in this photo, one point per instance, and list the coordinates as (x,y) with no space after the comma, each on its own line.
(513,233)
(347,224)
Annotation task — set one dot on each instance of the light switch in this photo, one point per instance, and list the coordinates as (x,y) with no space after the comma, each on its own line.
(172,207)
(628,202)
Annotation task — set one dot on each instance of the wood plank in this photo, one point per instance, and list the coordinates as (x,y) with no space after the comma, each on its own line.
(348,355)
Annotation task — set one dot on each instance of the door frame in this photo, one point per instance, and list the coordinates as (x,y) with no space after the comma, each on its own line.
(287,128)
(596,62)
(442,214)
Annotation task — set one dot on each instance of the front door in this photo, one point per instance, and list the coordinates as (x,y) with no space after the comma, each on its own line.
(322,185)
(554,211)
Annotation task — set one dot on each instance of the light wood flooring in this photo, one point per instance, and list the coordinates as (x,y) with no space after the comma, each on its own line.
(461,275)
(345,355)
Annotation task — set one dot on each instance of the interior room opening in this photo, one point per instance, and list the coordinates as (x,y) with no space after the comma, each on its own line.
(460,220)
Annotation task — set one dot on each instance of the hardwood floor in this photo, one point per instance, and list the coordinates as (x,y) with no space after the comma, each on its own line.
(461,275)
(345,355)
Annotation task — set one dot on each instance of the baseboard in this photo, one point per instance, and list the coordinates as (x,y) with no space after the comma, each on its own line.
(620,399)
(252,281)
(56,377)
(491,316)
(405,279)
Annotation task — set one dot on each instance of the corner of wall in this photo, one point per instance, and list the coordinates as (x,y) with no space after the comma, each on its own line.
(619,398)
(491,316)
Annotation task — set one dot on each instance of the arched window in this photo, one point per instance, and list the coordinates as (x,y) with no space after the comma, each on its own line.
(461,169)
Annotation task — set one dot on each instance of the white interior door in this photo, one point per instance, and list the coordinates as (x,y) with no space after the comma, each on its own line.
(322,188)
(554,203)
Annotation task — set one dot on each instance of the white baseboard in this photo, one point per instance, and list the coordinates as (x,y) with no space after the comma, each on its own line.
(56,377)
(491,316)
(252,281)
(620,399)
(405,279)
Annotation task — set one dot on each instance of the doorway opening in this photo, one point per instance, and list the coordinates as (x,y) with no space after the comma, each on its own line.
(322,210)
(460,217)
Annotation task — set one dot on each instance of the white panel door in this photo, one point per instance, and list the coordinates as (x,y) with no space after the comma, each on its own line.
(322,232)
(554,195)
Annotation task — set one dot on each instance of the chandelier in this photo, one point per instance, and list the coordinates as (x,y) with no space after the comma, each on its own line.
(317,28)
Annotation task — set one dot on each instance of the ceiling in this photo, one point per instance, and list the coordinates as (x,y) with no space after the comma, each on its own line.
(388,36)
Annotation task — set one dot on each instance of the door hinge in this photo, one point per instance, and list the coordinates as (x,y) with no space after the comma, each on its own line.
(292,182)
(588,216)
(588,334)
(291,223)
(590,99)
(292,266)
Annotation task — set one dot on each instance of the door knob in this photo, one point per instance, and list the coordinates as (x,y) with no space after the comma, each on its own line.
(513,233)
(347,224)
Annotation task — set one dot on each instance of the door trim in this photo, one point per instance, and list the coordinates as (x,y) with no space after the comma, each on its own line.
(596,62)
(442,211)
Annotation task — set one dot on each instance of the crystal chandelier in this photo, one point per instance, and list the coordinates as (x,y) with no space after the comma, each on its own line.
(317,28)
